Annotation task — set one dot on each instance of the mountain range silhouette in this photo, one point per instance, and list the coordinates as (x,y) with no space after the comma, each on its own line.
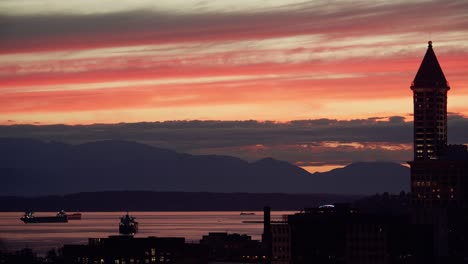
(30,167)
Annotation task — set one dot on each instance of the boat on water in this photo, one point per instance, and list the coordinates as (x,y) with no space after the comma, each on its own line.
(244,213)
(128,225)
(74,216)
(29,218)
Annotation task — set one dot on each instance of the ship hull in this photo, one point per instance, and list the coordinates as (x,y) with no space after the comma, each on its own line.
(44,219)
(75,216)
(128,230)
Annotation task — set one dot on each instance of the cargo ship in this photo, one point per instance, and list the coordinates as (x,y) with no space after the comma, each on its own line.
(244,213)
(74,216)
(128,225)
(29,218)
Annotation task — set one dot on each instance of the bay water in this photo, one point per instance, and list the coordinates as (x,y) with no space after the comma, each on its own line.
(15,235)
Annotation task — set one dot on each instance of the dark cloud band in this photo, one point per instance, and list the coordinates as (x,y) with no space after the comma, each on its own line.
(328,141)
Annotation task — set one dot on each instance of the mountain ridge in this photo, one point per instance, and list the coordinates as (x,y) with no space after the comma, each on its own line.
(173,201)
(34,167)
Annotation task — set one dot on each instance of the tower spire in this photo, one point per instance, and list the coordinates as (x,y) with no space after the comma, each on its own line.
(430,108)
(430,73)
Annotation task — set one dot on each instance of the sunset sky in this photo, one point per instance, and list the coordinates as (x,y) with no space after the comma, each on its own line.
(107,61)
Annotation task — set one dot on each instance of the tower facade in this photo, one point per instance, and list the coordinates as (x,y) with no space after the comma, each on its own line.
(430,108)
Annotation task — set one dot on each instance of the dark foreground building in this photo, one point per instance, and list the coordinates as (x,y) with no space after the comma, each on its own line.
(224,247)
(342,234)
(130,250)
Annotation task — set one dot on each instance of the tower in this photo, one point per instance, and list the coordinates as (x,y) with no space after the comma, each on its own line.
(439,172)
(430,108)
(266,236)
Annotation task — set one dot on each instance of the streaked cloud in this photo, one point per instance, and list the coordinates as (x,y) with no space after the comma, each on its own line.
(334,64)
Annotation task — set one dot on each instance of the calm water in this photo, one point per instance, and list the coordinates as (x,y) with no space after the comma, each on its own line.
(14,234)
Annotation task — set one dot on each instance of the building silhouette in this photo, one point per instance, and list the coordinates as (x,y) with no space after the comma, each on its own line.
(280,243)
(129,250)
(228,248)
(342,234)
(266,236)
(439,172)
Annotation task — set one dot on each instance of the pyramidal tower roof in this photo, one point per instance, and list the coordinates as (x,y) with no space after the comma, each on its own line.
(430,73)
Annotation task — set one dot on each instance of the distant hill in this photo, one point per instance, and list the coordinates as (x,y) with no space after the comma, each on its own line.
(367,178)
(169,201)
(31,167)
